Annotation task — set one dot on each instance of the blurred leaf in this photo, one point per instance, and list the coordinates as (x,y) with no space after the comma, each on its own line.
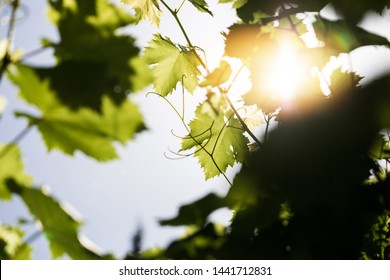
(171,65)
(94,60)
(342,82)
(250,7)
(201,5)
(11,167)
(218,140)
(236,3)
(4,45)
(145,10)
(3,103)
(380,148)
(219,76)
(244,40)
(12,246)
(197,212)
(292,25)
(203,244)
(60,228)
(354,11)
(83,130)
(341,37)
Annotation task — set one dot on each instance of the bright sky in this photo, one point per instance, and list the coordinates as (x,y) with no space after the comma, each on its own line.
(117,197)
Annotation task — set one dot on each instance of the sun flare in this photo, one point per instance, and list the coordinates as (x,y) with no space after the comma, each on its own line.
(284,75)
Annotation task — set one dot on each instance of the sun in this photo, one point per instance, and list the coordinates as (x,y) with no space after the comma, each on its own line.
(285,75)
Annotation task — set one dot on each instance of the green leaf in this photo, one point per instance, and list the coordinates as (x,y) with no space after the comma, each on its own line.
(342,82)
(197,212)
(11,167)
(201,5)
(84,130)
(380,148)
(217,138)
(236,3)
(145,10)
(171,65)
(203,244)
(96,60)
(59,226)
(12,246)
(341,37)
(219,76)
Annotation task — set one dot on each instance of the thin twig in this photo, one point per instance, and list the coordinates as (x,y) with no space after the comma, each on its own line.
(15,141)
(33,237)
(202,147)
(32,54)
(244,126)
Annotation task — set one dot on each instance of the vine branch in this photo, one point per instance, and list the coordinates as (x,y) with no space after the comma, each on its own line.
(15,141)
(202,147)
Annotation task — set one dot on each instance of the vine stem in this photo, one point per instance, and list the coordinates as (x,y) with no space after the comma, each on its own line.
(192,137)
(267,122)
(7,60)
(32,54)
(33,237)
(244,126)
(174,14)
(15,141)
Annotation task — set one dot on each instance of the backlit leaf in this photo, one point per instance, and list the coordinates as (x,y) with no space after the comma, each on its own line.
(218,140)
(145,10)
(201,5)
(12,246)
(11,167)
(84,130)
(252,116)
(171,65)
(218,76)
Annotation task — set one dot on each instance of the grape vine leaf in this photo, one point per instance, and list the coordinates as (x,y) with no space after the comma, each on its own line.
(94,60)
(252,116)
(201,5)
(202,244)
(342,82)
(219,76)
(12,246)
(340,37)
(197,212)
(380,148)
(59,226)
(145,10)
(11,167)
(171,65)
(85,130)
(217,138)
